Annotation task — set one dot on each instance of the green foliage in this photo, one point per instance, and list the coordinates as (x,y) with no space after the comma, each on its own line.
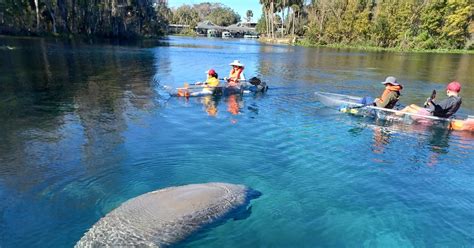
(223,16)
(214,12)
(187,15)
(249,15)
(103,18)
(400,24)
(261,25)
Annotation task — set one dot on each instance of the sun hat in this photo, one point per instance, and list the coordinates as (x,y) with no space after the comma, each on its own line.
(237,63)
(210,72)
(454,86)
(391,80)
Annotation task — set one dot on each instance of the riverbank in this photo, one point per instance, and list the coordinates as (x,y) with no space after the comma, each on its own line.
(306,43)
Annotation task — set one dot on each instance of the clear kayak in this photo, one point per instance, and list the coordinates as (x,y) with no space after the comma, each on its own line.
(352,105)
(198,90)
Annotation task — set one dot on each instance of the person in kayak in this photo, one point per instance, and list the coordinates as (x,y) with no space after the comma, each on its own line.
(389,97)
(445,108)
(210,84)
(236,74)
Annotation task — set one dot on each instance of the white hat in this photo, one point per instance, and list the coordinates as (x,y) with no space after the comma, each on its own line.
(237,63)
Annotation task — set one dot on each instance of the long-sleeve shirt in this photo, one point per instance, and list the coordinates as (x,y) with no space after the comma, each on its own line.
(447,107)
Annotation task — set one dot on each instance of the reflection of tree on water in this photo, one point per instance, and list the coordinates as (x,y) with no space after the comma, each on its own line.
(46,83)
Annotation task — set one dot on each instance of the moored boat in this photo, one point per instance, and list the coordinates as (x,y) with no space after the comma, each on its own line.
(352,105)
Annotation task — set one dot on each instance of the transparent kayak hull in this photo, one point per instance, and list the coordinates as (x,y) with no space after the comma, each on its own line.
(197,91)
(351,105)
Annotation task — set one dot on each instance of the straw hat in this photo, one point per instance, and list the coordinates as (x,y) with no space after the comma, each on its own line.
(237,63)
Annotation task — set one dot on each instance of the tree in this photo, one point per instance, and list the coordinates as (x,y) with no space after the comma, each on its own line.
(104,18)
(186,15)
(456,23)
(396,23)
(249,15)
(223,16)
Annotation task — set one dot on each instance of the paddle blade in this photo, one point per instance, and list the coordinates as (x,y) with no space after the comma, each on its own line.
(433,95)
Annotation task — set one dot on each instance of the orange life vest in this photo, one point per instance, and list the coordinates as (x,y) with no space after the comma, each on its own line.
(390,88)
(234,75)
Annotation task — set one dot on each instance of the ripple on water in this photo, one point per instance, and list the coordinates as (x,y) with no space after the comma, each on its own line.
(88,140)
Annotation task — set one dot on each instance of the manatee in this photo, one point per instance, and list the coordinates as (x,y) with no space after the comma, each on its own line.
(165,217)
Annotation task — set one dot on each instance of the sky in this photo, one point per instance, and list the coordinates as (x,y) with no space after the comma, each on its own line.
(239,6)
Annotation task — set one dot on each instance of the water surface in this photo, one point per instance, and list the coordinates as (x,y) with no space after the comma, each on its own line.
(86,127)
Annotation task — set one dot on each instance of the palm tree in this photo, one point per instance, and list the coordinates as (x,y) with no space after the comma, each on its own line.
(295,8)
(249,15)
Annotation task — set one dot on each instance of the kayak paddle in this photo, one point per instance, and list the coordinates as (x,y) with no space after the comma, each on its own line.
(433,96)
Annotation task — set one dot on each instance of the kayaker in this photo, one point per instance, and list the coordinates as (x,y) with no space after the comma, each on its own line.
(445,108)
(389,97)
(236,74)
(210,84)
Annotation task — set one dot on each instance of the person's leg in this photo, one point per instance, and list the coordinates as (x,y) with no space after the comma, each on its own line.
(412,108)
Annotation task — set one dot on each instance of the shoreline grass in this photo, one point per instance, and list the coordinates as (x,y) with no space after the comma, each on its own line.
(305,43)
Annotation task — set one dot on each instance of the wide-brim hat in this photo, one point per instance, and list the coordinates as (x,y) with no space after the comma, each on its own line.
(390,80)
(236,63)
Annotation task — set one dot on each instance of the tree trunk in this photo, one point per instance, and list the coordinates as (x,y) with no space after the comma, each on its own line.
(64,13)
(288,14)
(73,17)
(52,15)
(293,28)
(267,22)
(272,19)
(283,17)
(37,15)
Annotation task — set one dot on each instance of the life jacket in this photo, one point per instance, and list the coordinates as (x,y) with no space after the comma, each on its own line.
(212,81)
(388,90)
(235,74)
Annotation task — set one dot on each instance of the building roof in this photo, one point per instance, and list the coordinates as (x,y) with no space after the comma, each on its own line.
(240,27)
(208,25)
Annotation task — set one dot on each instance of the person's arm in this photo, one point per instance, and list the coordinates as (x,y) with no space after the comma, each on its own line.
(383,102)
(442,106)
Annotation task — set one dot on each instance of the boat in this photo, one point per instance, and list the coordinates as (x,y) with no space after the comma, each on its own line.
(352,105)
(250,36)
(226,35)
(253,85)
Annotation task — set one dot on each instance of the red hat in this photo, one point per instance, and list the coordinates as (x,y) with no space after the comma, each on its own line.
(211,72)
(454,86)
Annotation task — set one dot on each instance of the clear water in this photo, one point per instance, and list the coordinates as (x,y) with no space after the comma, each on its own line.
(86,127)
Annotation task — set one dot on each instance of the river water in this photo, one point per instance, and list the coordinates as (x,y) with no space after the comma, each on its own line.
(86,126)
